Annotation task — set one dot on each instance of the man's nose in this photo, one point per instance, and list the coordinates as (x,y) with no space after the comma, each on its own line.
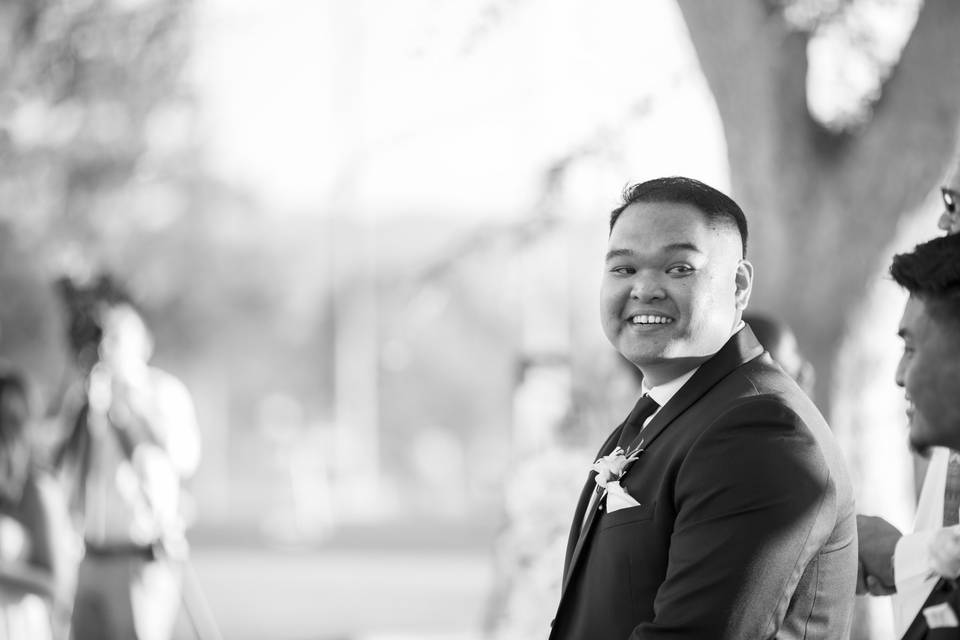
(944,221)
(647,288)
(949,222)
(898,376)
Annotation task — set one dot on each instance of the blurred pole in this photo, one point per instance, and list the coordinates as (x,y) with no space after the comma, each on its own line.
(354,256)
(542,397)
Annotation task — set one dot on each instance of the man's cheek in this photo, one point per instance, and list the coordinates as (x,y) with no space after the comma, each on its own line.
(947,386)
(922,386)
(949,377)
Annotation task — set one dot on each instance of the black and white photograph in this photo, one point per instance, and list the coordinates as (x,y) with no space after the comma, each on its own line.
(479,320)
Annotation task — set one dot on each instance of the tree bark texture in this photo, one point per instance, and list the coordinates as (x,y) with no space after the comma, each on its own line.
(823,206)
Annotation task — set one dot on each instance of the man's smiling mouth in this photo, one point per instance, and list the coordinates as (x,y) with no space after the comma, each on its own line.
(650,319)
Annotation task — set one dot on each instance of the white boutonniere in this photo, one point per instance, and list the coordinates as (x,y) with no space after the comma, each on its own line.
(610,468)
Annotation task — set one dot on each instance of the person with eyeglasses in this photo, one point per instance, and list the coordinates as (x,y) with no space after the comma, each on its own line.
(950,219)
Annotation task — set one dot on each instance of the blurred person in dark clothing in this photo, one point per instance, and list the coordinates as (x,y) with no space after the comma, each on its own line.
(134,441)
(35,537)
(779,340)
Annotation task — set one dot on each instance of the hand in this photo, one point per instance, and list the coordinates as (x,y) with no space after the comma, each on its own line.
(100,388)
(868,584)
(878,540)
(945,552)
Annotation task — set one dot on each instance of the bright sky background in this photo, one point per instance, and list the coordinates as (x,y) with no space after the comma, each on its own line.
(426,106)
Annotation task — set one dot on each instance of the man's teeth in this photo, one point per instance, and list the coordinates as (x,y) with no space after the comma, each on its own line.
(646,319)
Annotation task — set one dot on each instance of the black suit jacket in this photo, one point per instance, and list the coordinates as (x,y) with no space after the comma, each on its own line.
(944,592)
(745,528)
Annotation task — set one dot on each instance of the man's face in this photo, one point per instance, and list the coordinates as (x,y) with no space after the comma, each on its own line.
(929,372)
(950,220)
(673,288)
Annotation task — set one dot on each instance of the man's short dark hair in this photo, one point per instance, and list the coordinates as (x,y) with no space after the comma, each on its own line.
(931,273)
(718,207)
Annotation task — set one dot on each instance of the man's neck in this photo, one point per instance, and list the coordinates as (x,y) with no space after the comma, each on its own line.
(663,372)
(663,392)
(656,375)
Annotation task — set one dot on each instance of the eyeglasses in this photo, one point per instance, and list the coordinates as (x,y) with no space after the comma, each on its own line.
(950,198)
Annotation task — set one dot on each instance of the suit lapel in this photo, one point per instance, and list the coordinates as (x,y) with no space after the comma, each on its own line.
(576,527)
(582,519)
(740,348)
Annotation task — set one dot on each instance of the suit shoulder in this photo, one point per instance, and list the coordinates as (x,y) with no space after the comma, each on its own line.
(766,376)
(760,383)
(766,406)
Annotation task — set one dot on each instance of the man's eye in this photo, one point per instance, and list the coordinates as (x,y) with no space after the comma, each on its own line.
(622,271)
(680,269)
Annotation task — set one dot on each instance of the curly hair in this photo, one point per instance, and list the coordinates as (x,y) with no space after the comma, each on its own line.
(931,273)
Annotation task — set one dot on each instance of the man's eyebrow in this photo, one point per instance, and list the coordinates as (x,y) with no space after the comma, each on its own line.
(682,246)
(617,253)
(676,246)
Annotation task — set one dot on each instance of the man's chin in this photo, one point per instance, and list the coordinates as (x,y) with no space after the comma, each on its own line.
(918,444)
(922,450)
(641,356)
(924,434)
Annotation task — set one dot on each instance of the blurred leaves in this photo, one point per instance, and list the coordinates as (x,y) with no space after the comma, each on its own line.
(94,144)
(103,171)
(85,85)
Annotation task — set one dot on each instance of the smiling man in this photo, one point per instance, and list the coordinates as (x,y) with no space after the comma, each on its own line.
(721,507)
(929,372)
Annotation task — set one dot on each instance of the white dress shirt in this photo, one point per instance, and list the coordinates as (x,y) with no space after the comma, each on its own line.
(662,393)
(137,500)
(911,563)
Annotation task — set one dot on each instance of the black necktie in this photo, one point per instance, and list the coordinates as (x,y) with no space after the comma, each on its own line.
(634,424)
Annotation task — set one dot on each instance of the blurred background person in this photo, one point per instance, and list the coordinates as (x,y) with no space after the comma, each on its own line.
(779,340)
(35,559)
(134,441)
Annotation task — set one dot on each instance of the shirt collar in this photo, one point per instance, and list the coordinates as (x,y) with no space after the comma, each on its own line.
(663,392)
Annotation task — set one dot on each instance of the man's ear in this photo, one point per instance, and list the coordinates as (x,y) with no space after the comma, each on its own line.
(744,283)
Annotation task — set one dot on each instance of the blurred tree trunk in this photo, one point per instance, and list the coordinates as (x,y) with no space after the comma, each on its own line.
(822,205)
